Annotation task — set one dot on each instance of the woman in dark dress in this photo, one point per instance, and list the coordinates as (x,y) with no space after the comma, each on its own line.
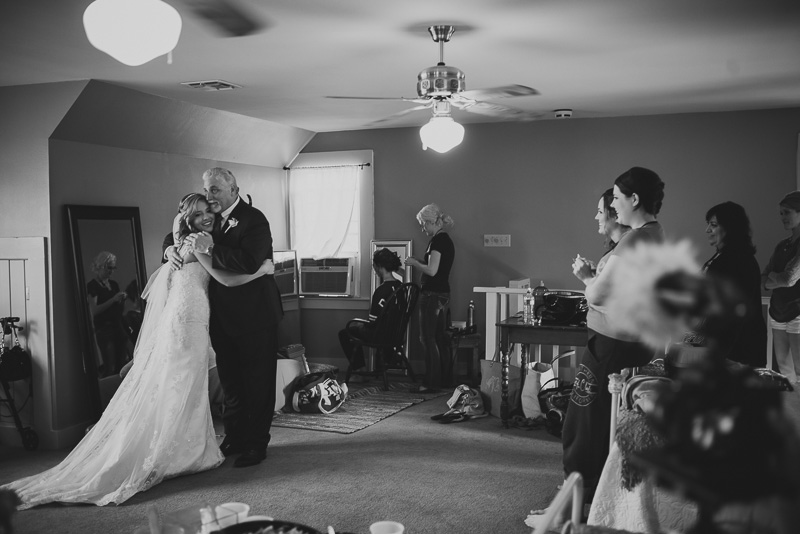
(728,230)
(434,299)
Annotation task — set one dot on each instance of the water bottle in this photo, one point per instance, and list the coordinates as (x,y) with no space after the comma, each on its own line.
(527,307)
(538,301)
(471,316)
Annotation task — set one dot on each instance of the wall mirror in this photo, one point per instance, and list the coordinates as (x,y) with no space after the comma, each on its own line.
(107,259)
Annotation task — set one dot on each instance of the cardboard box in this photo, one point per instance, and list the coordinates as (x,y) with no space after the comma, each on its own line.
(288,370)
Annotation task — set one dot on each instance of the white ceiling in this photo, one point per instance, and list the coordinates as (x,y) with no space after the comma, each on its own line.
(599,57)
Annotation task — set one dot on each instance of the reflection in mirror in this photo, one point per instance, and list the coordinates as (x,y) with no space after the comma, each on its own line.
(108,266)
(285,271)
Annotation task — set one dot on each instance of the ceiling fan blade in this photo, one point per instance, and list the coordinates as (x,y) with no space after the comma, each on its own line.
(402,98)
(402,113)
(228,18)
(500,112)
(504,91)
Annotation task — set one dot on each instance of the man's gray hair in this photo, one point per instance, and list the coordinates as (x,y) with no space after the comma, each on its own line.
(222,174)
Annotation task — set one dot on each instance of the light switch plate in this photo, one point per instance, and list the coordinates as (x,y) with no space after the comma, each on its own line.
(497,240)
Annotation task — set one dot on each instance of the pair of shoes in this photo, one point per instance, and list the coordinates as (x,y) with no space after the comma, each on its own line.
(423,389)
(449,416)
(230,447)
(528,423)
(250,457)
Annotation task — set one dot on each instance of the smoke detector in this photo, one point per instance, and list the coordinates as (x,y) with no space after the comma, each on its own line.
(212,85)
(562,113)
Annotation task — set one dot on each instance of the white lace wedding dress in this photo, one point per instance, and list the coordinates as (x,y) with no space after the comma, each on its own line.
(158,425)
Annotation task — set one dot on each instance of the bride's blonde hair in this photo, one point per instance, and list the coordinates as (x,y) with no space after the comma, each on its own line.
(186,207)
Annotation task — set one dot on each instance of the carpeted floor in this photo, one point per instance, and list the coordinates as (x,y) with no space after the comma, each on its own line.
(470,477)
(365,406)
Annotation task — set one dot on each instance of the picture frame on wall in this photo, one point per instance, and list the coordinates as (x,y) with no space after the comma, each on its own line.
(401,247)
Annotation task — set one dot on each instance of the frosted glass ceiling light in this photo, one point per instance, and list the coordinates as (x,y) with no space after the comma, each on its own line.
(132,31)
(441,134)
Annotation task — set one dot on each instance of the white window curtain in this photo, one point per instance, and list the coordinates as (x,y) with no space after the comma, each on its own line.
(321,203)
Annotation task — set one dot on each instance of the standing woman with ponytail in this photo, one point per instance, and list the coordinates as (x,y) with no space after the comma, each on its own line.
(435,296)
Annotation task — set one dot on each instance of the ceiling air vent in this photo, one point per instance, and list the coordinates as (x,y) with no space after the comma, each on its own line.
(212,85)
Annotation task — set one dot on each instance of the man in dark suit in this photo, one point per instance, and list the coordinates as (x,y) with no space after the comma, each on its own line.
(244,319)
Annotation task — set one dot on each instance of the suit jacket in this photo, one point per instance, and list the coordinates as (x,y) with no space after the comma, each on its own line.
(241,247)
(169,240)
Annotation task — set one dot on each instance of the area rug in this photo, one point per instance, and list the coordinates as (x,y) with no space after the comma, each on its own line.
(364,407)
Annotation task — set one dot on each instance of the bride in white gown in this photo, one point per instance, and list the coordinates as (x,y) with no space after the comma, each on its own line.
(158,424)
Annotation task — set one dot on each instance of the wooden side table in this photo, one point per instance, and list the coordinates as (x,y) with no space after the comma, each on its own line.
(460,340)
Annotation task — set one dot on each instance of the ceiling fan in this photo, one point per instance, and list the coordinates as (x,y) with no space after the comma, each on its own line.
(442,87)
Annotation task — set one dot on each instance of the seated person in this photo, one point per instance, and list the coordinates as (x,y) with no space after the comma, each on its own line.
(386,264)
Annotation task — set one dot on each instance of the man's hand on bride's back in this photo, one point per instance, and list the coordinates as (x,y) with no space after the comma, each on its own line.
(174,258)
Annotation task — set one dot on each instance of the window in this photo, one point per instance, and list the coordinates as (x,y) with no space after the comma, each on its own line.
(331,209)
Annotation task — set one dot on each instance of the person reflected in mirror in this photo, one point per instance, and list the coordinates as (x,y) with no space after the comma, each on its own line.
(386,264)
(434,301)
(158,424)
(244,319)
(781,275)
(106,306)
(734,263)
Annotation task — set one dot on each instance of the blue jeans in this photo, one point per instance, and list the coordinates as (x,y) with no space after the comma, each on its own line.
(433,309)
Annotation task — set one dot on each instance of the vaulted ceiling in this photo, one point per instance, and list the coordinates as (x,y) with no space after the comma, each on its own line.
(599,58)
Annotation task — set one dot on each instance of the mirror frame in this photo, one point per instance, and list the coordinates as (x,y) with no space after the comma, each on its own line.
(74,215)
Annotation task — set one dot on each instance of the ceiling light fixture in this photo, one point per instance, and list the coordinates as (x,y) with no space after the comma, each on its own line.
(442,133)
(132,31)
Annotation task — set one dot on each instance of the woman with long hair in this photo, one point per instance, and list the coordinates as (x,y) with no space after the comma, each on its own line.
(734,262)
(610,228)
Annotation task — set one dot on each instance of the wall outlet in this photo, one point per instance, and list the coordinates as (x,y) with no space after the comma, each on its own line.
(497,240)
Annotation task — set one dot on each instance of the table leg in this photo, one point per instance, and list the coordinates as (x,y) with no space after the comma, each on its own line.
(505,349)
(504,358)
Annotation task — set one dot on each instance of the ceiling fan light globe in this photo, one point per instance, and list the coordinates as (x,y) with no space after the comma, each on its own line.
(132,31)
(441,134)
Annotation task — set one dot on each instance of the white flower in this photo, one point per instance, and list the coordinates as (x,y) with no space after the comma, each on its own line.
(232,223)
(634,303)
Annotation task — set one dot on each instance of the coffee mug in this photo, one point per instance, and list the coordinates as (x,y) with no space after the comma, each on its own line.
(387,527)
(231,513)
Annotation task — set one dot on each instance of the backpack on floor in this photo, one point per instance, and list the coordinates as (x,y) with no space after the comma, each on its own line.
(318,393)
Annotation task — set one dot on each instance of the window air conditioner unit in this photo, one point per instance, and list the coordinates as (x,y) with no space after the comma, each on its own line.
(326,276)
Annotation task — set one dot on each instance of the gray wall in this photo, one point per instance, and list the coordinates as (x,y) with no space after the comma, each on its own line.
(537,181)
(540,182)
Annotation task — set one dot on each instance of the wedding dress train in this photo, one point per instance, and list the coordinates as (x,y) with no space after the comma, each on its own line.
(158,424)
